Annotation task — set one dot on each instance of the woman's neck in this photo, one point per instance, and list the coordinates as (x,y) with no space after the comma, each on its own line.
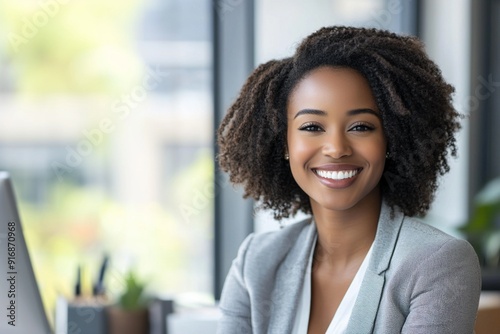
(344,237)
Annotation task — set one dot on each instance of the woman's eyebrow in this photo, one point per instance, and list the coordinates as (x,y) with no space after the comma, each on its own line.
(310,112)
(363,111)
(352,112)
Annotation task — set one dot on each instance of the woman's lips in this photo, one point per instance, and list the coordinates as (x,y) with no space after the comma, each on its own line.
(337,178)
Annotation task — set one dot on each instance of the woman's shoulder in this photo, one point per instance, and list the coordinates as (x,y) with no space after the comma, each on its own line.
(280,239)
(415,231)
(419,241)
(269,249)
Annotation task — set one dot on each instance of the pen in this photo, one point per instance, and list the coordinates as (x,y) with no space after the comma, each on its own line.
(78,285)
(99,285)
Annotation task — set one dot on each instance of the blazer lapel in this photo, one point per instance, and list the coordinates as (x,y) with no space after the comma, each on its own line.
(289,281)
(366,306)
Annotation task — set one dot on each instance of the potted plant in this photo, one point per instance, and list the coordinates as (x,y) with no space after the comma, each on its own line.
(483,232)
(130,314)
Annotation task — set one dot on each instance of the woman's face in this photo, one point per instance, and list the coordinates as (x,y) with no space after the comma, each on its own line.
(335,139)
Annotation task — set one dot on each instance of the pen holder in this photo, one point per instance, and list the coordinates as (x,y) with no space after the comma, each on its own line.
(81,316)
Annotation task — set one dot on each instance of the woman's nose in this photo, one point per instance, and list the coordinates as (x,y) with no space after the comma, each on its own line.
(337,146)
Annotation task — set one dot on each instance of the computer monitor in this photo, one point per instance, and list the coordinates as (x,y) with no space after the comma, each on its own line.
(21,308)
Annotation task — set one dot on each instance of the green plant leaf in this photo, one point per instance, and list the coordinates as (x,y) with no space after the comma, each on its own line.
(132,298)
(486,209)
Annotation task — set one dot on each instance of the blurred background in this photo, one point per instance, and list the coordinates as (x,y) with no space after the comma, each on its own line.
(106,122)
(108,111)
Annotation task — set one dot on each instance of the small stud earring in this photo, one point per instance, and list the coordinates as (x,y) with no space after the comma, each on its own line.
(387,155)
(287,156)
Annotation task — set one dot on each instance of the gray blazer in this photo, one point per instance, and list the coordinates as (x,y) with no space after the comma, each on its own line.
(419,280)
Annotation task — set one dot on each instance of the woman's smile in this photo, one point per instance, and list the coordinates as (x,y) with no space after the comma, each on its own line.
(337,176)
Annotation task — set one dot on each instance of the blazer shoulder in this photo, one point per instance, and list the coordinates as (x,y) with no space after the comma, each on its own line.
(265,252)
(418,241)
(418,232)
(279,240)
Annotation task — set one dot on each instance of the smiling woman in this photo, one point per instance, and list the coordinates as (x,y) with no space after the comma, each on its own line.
(354,130)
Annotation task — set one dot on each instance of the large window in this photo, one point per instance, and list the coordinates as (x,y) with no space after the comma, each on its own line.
(106,128)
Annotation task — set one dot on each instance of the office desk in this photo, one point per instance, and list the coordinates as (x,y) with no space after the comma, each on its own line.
(488,315)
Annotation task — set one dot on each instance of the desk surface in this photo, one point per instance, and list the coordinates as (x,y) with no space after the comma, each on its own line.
(488,315)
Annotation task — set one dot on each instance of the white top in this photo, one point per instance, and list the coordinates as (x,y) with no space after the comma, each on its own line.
(343,314)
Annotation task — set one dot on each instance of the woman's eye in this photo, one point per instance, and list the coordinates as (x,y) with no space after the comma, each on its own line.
(310,128)
(361,128)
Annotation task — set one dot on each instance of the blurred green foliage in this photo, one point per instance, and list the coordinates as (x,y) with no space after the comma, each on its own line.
(133,297)
(80,224)
(482,229)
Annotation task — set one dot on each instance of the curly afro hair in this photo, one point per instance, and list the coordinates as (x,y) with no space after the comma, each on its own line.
(418,118)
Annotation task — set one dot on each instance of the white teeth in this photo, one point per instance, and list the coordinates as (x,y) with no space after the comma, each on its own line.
(337,175)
